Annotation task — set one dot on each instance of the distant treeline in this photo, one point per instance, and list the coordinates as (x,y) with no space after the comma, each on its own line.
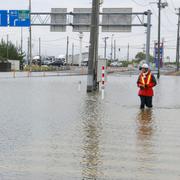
(10,51)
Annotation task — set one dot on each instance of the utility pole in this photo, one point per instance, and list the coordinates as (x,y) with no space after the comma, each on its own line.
(80,48)
(105,46)
(21,40)
(40,49)
(160,5)
(114,49)
(30,37)
(128,52)
(28,52)
(7,48)
(178,41)
(93,48)
(72,53)
(67,50)
(148,37)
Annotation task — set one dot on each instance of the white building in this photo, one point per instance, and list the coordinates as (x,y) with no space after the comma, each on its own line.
(15,65)
(75,59)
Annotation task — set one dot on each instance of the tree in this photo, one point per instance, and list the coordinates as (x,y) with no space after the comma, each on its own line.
(142,56)
(10,51)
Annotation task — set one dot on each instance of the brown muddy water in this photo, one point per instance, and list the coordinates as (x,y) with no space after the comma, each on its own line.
(51,131)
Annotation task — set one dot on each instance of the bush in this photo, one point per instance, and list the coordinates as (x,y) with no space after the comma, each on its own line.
(37,68)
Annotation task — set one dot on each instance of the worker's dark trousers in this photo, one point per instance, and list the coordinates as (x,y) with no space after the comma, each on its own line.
(146,100)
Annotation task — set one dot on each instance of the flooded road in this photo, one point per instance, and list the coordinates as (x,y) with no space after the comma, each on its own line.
(50,131)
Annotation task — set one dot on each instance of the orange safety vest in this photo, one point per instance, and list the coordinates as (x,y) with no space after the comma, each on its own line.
(148,79)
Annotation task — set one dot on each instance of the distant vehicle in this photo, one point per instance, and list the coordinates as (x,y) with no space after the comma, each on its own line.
(57,63)
(84,62)
(36,60)
(62,58)
(47,60)
(116,64)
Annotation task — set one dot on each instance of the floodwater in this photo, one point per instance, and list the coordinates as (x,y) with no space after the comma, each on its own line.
(49,130)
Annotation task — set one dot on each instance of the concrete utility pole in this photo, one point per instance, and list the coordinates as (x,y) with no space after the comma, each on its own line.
(148,36)
(28,52)
(7,47)
(143,48)
(178,41)
(30,38)
(128,52)
(80,47)
(160,5)
(21,40)
(72,53)
(67,50)
(105,46)
(40,48)
(114,49)
(92,84)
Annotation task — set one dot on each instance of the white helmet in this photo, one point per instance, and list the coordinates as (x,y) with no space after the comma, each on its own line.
(146,66)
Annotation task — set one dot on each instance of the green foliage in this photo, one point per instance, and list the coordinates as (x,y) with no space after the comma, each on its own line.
(142,56)
(37,68)
(125,63)
(10,51)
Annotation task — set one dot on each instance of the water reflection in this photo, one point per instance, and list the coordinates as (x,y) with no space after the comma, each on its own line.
(145,131)
(92,128)
(145,122)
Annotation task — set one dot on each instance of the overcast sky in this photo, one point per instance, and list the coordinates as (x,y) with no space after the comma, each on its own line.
(54,43)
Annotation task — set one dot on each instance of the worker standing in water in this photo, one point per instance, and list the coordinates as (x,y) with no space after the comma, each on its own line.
(146,81)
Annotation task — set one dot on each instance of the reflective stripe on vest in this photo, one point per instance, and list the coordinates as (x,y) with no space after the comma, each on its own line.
(148,81)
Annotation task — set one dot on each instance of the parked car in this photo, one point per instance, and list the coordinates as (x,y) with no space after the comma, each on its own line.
(57,63)
(84,63)
(116,64)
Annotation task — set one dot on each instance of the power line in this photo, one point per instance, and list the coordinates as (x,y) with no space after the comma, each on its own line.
(139,4)
(171,10)
(162,23)
(172,2)
(167,17)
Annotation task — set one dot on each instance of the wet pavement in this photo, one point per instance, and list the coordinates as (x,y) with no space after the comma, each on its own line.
(51,131)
